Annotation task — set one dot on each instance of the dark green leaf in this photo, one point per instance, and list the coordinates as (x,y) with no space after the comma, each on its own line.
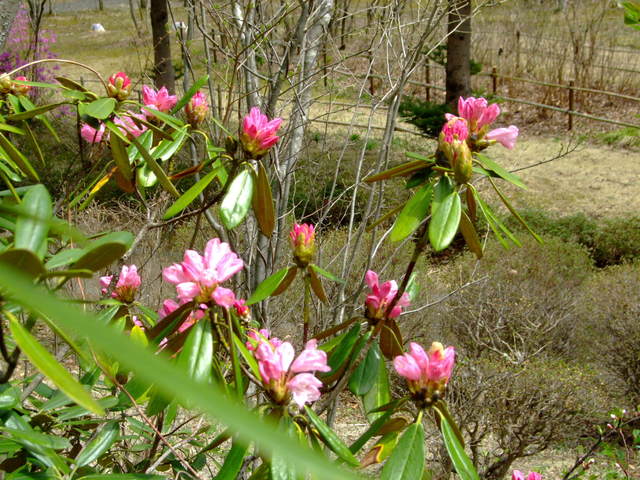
(371,432)
(195,356)
(407,460)
(489,164)
(32,113)
(157,169)
(101,108)
(120,157)
(445,221)
(330,438)
(32,227)
(99,444)
(470,235)
(103,252)
(412,215)
(197,85)
(37,438)
(189,196)
(339,356)
(263,202)
(233,461)
(25,260)
(122,476)
(378,395)
(463,465)
(365,375)
(235,204)
(268,286)
(18,158)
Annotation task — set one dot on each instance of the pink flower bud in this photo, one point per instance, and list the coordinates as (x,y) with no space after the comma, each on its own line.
(427,373)
(19,89)
(303,243)
(258,133)
(197,109)
(381,296)
(518,475)
(506,136)
(119,86)
(105,282)
(242,310)
(129,127)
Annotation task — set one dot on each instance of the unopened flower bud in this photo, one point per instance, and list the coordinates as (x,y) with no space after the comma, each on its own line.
(119,86)
(20,89)
(303,243)
(463,163)
(6,84)
(197,109)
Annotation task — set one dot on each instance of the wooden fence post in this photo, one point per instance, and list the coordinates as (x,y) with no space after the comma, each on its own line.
(494,80)
(571,104)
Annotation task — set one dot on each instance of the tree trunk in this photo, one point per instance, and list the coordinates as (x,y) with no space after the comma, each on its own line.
(100,4)
(163,66)
(458,81)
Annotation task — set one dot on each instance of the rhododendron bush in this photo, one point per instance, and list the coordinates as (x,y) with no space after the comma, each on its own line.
(143,369)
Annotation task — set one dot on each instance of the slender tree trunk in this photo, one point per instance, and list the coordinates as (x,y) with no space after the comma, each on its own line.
(100,4)
(458,80)
(163,66)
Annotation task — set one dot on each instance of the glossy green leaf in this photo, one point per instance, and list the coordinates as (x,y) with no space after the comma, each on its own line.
(64,257)
(331,439)
(32,227)
(156,169)
(197,85)
(235,204)
(233,461)
(189,196)
(37,438)
(168,148)
(371,432)
(445,221)
(172,380)
(100,108)
(25,260)
(120,157)
(412,215)
(32,112)
(340,355)
(99,444)
(326,274)
(378,395)
(195,356)
(268,286)
(407,459)
(50,368)
(104,251)
(263,202)
(18,158)
(489,164)
(122,476)
(364,376)
(462,463)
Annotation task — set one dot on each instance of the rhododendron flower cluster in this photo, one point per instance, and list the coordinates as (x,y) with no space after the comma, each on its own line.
(258,133)
(197,109)
(380,298)
(427,373)
(119,86)
(127,285)
(518,475)
(284,377)
(158,100)
(199,277)
(453,143)
(302,238)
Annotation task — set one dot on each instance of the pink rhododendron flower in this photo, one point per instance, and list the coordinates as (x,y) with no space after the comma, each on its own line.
(427,373)
(158,100)
(129,127)
(477,112)
(169,306)
(258,133)
(283,376)
(198,277)
(92,135)
(127,285)
(119,86)
(197,109)
(303,242)
(518,475)
(381,296)
(506,136)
